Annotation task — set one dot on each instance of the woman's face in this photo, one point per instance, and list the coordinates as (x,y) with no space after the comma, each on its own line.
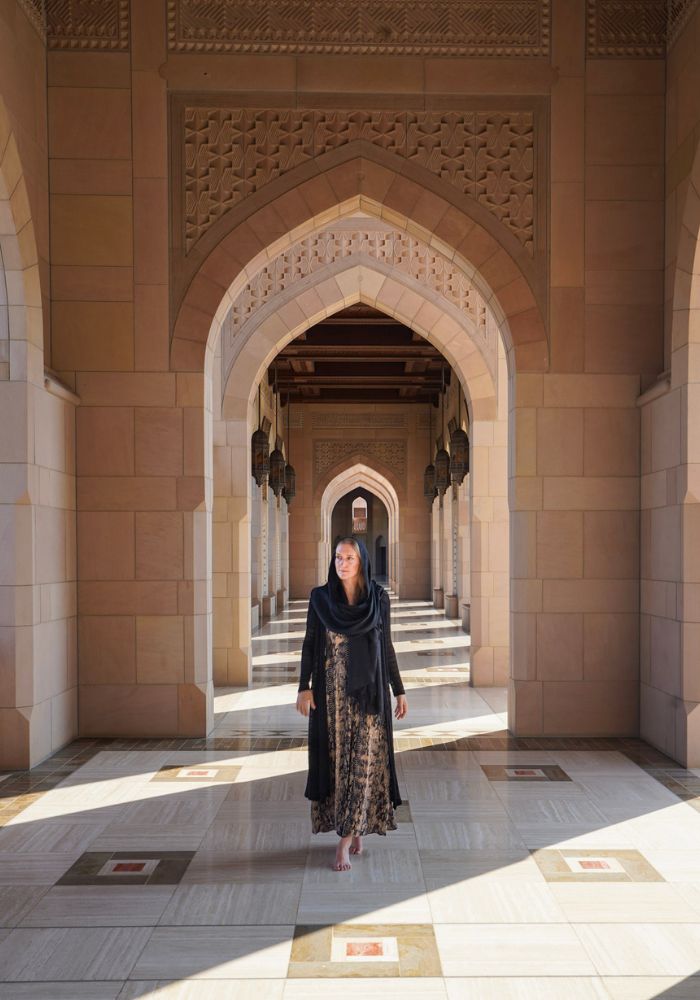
(347,562)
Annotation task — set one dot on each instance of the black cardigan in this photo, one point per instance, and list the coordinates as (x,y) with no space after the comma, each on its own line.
(313,674)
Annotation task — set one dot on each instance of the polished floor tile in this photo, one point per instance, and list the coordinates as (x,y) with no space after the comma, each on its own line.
(94,906)
(216,953)
(511,950)
(642,949)
(34,954)
(238,903)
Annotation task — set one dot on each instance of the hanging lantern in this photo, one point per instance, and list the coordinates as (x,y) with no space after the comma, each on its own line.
(290,476)
(277,472)
(459,456)
(429,490)
(442,459)
(260,452)
(442,471)
(277,462)
(290,483)
(459,447)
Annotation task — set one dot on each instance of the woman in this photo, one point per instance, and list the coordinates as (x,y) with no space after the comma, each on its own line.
(349,660)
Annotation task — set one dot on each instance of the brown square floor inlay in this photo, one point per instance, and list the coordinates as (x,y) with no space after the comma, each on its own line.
(595,866)
(353,950)
(201,773)
(128,868)
(524,772)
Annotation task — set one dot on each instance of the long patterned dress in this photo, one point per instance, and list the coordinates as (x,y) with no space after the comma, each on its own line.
(359,802)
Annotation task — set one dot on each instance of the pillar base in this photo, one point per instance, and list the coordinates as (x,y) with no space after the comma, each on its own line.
(438,597)
(281,596)
(146,710)
(254,617)
(451,606)
(269,607)
(466,617)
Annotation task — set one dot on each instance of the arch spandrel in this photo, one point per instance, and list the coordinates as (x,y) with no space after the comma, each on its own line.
(315,205)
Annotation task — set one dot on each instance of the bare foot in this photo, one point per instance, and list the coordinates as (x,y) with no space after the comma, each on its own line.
(356,846)
(342,855)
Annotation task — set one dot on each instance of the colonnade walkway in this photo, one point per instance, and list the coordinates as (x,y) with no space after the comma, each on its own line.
(186,870)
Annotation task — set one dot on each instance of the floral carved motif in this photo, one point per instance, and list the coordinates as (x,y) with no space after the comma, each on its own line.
(627,28)
(96,25)
(391,27)
(329,452)
(485,155)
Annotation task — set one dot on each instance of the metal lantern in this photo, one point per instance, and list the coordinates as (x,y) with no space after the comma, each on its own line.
(459,456)
(290,483)
(429,490)
(260,447)
(290,476)
(260,451)
(277,462)
(442,459)
(442,471)
(277,471)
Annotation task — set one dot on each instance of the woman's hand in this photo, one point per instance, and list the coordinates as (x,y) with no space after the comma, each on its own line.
(305,702)
(401,706)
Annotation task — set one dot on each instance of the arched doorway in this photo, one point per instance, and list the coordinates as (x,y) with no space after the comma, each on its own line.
(473,357)
(198,336)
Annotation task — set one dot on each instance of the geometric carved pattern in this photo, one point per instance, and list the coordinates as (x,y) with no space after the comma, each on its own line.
(327,453)
(389,27)
(485,155)
(679,13)
(627,28)
(399,251)
(90,25)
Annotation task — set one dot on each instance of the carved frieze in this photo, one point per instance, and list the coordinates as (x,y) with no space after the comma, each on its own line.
(97,25)
(387,27)
(398,251)
(627,28)
(330,452)
(486,155)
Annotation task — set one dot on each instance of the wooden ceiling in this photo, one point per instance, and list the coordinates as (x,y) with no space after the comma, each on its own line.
(359,355)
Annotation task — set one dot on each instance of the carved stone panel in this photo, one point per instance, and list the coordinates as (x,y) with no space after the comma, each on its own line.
(398,251)
(391,27)
(486,155)
(97,25)
(627,28)
(329,453)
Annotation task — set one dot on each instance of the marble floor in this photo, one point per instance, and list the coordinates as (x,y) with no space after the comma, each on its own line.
(561,869)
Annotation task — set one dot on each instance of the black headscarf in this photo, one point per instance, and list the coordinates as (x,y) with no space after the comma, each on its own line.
(361,623)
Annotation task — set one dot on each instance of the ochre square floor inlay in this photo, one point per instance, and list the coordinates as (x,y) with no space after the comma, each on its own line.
(128,868)
(391,950)
(595,866)
(524,772)
(202,773)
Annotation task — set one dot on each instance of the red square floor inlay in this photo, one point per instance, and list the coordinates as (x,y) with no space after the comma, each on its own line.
(594,865)
(367,948)
(129,866)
